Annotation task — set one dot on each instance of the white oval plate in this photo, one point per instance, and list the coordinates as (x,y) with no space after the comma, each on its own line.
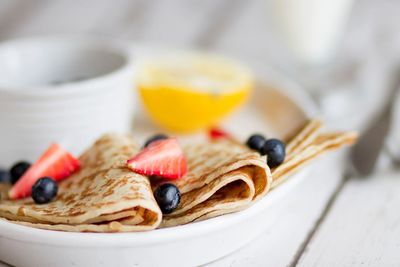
(188,245)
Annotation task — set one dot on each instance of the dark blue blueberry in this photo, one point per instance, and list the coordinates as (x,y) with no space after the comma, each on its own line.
(44,190)
(168,197)
(18,169)
(256,142)
(5,176)
(155,138)
(275,151)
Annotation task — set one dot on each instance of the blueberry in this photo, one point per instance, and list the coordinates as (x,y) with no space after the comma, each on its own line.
(275,151)
(167,197)
(155,138)
(44,190)
(5,176)
(18,170)
(256,142)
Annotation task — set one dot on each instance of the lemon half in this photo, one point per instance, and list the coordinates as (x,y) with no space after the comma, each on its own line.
(191,91)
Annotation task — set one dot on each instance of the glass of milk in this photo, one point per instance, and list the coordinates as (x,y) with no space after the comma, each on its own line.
(311,28)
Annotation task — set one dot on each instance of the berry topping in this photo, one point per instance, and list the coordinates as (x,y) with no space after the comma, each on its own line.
(155,138)
(256,142)
(44,190)
(167,197)
(218,133)
(56,162)
(162,158)
(5,176)
(17,170)
(275,151)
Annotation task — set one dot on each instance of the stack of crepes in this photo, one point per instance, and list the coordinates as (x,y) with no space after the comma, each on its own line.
(223,177)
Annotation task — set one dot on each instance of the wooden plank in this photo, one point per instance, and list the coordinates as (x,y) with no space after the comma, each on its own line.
(223,18)
(102,17)
(363,227)
(7,9)
(129,23)
(13,14)
(291,220)
(179,23)
(252,37)
(172,22)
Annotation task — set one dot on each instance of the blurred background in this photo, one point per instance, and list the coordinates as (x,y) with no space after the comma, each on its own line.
(339,51)
(323,45)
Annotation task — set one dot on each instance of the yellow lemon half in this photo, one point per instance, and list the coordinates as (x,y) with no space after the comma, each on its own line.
(190,91)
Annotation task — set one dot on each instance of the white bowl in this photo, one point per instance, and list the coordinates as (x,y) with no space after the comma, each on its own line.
(42,102)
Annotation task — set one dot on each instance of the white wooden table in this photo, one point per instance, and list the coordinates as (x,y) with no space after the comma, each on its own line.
(326,221)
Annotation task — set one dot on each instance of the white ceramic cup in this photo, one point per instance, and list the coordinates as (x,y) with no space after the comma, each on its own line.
(67,90)
(311,29)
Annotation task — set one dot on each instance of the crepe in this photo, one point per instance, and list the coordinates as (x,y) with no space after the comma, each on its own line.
(104,196)
(226,177)
(303,138)
(307,145)
(223,177)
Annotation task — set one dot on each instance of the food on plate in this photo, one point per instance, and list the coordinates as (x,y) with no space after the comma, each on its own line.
(44,190)
(18,169)
(103,196)
(106,196)
(163,158)
(256,142)
(273,148)
(275,151)
(309,143)
(192,91)
(223,176)
(5,176)
(155,137)
(217,133)
(304,137)
(55,162)
(108,193)
(168,197)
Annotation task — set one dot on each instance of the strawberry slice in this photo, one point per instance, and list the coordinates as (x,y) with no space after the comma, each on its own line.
(162,158)
(56,163)
(218,133)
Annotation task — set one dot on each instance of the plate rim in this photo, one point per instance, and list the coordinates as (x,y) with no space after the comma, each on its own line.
(27,234)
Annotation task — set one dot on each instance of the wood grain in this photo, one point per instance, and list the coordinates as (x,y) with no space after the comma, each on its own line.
(15,14)
(363,228)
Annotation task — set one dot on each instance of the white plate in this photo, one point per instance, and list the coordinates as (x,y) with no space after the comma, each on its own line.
(194,244)
(188,245)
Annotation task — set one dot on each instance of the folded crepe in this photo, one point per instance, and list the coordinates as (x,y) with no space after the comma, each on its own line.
(104,196)
(306,145)
(223,176)
(226,176)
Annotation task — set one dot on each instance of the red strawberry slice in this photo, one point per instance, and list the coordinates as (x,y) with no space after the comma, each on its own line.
(56,163)
(162,158)
(218,133)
